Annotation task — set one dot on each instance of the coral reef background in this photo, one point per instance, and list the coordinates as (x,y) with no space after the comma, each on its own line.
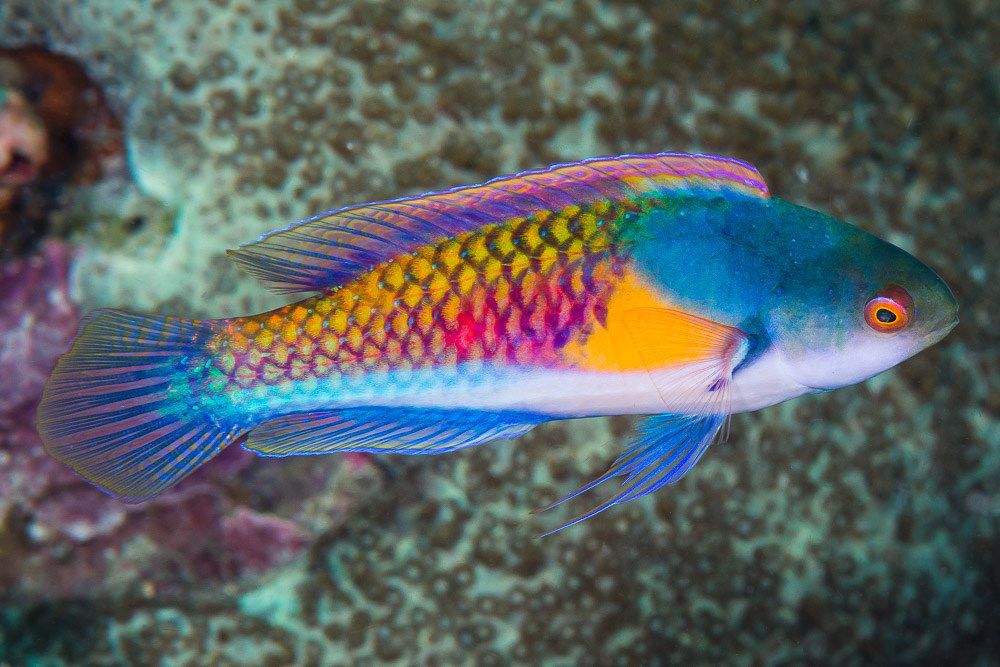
(854,527)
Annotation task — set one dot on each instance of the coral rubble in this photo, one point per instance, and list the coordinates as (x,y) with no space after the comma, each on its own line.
(57,133)
(24,146)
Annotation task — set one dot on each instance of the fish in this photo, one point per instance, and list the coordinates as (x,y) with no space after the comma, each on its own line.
(668,285)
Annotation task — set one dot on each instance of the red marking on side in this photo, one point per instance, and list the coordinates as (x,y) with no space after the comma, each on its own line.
(465,334)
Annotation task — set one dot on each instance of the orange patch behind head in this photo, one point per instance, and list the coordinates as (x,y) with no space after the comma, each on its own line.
(644,332)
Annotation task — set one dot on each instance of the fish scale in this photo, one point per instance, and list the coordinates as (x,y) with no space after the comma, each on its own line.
(515,292)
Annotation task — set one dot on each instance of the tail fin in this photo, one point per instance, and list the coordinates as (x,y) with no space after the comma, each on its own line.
(120,409)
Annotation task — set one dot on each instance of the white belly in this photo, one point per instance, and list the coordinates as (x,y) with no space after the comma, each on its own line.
(590,393)
(551,392)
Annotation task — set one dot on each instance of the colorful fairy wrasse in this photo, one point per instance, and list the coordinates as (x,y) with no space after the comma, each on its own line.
(667,285)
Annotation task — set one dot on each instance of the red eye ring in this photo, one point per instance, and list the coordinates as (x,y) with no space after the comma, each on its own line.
(890,310)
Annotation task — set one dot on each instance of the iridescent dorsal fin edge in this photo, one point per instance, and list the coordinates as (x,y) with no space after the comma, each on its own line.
(331,248)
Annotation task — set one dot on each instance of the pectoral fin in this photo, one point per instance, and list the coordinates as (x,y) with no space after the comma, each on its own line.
(689,359)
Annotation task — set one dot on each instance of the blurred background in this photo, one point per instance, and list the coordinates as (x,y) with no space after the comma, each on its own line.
(138,141)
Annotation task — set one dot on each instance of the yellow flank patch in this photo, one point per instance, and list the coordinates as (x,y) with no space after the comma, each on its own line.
(314,325)
(479,252)
(368,287)
(531,239)
(338,321)
(570,211)
(466,279)
(420,268)
(518,265)
(560,230)
(439,285)
(412,295)
(449,254)
(393,277)
(548,257)
(504,242)
(362,314)
(588,224)
(264,339)
(492,270)
(644,332)
(405,312)
(575,248)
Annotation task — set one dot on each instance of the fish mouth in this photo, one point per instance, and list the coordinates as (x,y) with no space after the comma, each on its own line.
(942,329)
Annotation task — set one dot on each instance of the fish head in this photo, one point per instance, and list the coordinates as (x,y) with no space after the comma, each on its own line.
(861,307)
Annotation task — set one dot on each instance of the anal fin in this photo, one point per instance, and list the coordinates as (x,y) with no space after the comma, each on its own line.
(385,431)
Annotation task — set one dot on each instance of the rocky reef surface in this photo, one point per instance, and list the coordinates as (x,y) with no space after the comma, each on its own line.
(855,527)
(61,538)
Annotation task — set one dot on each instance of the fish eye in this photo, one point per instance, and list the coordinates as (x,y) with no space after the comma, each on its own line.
(889,310)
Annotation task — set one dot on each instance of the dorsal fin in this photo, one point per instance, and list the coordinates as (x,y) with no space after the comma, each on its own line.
(331,248)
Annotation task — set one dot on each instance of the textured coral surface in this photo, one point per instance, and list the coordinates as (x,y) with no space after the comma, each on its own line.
(861,526)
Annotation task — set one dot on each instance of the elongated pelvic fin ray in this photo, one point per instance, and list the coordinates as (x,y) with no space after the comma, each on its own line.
(689,360)
(385,431)
(664,450)
(331,248)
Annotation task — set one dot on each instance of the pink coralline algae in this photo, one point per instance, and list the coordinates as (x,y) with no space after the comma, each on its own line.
(257,541)
(60,537)
(37,321)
